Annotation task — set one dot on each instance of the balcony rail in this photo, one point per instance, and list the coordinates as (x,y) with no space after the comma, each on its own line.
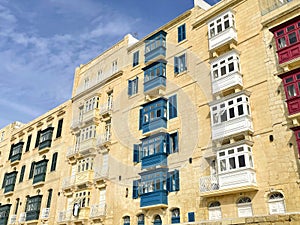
(209,183)
(103,138)
(68,182)
(22,218)
(45,213)
(267,6)
(64,216)
(13,219)
(98,210)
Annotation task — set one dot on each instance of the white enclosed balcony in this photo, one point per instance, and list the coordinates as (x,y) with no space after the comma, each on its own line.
(225,72)
(231,115)
(68,182)
(106,110)
(76,124)
(221,30)
(45,213)
(87,145)
(84,178)
(91,116)
(104,139)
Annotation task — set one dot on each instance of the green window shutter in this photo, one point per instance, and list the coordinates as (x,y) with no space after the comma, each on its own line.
(59,128)
(22,173)
(31,170)
(54,161)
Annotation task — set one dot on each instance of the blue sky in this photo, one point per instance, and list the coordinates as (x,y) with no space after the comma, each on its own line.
(42,42)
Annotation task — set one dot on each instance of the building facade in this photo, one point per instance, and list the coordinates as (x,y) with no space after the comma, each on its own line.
(32,161)
(196,123)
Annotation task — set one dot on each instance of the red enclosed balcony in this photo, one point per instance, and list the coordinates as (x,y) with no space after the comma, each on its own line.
(287,37)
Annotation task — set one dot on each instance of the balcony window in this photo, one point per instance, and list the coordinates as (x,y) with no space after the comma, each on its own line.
(180,63)
(214,211)
(287,38)
(220,24)
(235,158)
(92,103)
(4,213)
(154,145)
(154,115)
(88,133)
(16,152)
(40,169)
(133,86)
(181,33)
(82,198)
(46,138)
(141,219)
(33,207)
(244,207)
(230,109)
(126,220)
(291,83)
(175,215)
(154,182)
(135,60)
(155,46)
(157,220)
(155,76)
(9,181)
(85,164)
(276,203)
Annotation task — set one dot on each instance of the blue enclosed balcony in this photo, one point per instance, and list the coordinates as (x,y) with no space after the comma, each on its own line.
(154,115)
(16,152)
(4,212)
(156,198)
(159,159)
(155,46)
(155,78)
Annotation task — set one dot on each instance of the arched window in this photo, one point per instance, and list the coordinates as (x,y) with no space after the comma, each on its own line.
(126,220)
(244,207)
(157,220)
(214,211)
(141,219)
(175,215)
(276,203)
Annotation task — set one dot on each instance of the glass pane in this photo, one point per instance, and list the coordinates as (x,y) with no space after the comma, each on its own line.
(240,110)
(231,67)
(280,33)
(281,42)
(290,28)
(291,91)
(232,163)
(288,80)
(223,70)
(215,73)
(219,28)
(212,32)
(231,113)
(223,165)
(242,162)
(292,38)
(224,116)
(226,24)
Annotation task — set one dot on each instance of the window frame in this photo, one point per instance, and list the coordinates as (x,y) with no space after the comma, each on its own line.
(154,71)
(295,83)
(242,204)
(219,23)
(180,63)
(283,34)
(133,86)
(135,60)
(181,31)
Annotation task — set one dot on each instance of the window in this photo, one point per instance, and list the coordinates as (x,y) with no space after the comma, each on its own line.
(173,181)
(136,189)
(214,211)
(157,220)
(28,143)
(235,158)
(244,207)
(154,71)
(9,181)
(17,206)
(191,216)
(230,109)
(59,128)
(85,164)
(292,85)
(49,198)
(288,35)
(46,138)
(220,24)
(180,63)
(225,65)
(37,140)
(141,219)
(31,170)
(83,198)
(181,33)
(88,132)
(33,206)
(133,86)
(155,45)
(110,98)
(107,130)
(114,66)
(276,203)
(175,215)
(91,104)
(153,182)
(54,161)
(137,153)
(173,142)
(154,144)
(40,169)
(135,59)
(21,178)
(172,104)
(126,220)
